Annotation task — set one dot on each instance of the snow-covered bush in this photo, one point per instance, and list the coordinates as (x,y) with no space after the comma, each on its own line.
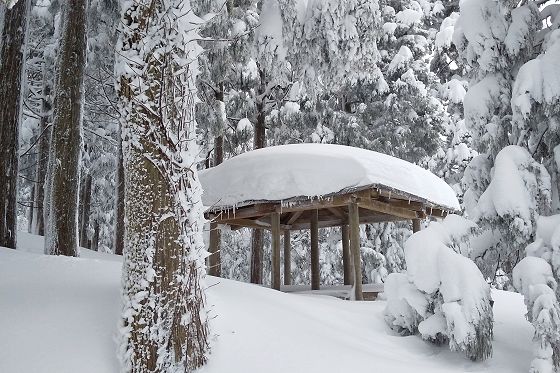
(534,277)
(518,191)
(443,296)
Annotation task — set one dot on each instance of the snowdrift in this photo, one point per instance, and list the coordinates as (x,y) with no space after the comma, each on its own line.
(60,315)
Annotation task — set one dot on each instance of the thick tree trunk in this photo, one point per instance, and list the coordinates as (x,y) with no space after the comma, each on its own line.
(164,322)
(119,218)
(64,161)
(12,58)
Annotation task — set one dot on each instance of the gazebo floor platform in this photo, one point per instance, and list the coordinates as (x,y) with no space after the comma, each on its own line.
(370,291)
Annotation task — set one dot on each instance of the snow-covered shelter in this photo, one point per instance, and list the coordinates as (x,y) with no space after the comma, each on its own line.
(312,186)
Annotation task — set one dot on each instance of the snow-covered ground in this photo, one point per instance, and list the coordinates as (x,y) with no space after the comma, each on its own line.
(60,315)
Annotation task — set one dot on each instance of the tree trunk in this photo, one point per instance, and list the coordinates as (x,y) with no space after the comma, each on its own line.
(257,239)
(164,322)
(86,208)
(12,59)
(119,218)
(43,155)
(257,256)
(95,238)
(64,162)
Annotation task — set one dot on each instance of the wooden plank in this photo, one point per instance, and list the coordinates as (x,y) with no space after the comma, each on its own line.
(386,208)
(354,223)
(214,260)
(258,210)
(315,269)
(346,258)
(275,281)
(287,259)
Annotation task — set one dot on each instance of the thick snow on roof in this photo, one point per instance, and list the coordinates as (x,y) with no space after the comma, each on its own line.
(313,170)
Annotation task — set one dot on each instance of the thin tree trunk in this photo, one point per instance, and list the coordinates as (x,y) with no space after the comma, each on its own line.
(43,155)
(257,238)
(86,208)
(12,59)
(95,238)
(64,161)
(119,218)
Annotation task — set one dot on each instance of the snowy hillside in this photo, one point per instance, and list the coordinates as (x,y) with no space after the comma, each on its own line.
(60,315)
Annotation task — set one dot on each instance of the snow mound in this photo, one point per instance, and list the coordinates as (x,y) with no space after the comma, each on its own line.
(444,296)
(313,170)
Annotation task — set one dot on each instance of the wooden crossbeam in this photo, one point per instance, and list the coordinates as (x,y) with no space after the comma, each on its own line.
(388,209)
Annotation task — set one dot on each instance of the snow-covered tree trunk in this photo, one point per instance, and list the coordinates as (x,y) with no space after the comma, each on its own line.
(164,320)
(12,57)
(66,141)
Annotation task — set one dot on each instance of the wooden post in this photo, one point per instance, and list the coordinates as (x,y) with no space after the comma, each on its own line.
(354,222)
(346,258)
(214,260)
(287,259)
(315,270)
(416,227)
(275,222)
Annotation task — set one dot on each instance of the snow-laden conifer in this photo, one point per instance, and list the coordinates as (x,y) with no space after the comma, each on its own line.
(443,295)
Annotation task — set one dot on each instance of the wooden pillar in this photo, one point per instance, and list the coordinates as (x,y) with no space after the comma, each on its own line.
(354,222)
(346,258)
(214,260)
(287,259)
(275,222)
(315,270)
(416,225)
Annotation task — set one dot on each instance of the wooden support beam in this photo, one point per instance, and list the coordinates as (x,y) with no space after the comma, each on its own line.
(416,227)
(287,259)
(315,269)
(354,223)
(295,216)
(214,260)
(275,251)
(346,258)
(388,209)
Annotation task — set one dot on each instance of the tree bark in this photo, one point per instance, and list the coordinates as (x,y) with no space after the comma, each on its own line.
(43,155)
(12,61)
(315,268)
(86,208)
(66,142)
(257,239)
(119,217)
(257,256)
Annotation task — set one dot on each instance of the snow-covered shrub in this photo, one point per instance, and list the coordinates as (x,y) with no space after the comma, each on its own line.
(443,296)
(518,191)
(534,277)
